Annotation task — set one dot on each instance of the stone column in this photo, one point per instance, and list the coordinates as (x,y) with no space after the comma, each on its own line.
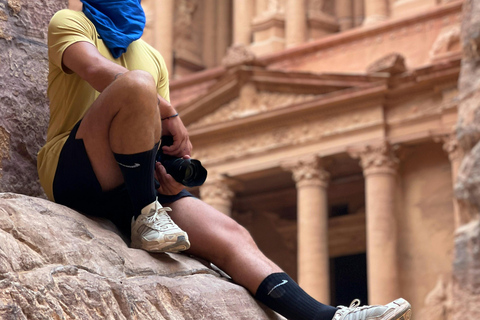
(380,168)
(209,33)
(455,154)
(242,20)
(218,194)
(375,11)
(164,12)
(358,13)
(344,9)
(312,219)
(295,22)
(224,28)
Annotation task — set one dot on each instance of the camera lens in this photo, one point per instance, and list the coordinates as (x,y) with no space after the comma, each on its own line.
(188,172)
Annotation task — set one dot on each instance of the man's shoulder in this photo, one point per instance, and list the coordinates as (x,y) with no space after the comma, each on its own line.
(65,16)
(141,44)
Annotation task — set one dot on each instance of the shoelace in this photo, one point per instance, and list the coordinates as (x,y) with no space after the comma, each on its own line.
(159,219)
(354,307)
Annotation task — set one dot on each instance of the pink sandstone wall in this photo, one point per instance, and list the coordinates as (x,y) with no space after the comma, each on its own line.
(425,221)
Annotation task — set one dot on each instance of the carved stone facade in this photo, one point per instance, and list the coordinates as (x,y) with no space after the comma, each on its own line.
(293,85)
(260,118)
(218,193)
(376,158)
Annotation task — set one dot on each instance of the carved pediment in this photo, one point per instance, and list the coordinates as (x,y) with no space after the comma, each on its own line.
(250,103)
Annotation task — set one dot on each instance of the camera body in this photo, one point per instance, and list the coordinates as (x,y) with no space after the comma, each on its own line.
(188,172)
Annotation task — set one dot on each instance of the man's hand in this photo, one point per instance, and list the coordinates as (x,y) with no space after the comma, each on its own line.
(174,127)
(168,185)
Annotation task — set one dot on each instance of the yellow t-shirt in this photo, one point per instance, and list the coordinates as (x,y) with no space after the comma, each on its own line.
(70,96)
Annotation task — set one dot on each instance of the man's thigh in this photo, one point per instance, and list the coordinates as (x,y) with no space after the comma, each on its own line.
(124,114)
(94,131)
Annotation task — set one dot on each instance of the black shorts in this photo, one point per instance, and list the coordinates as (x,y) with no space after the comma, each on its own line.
(76,186)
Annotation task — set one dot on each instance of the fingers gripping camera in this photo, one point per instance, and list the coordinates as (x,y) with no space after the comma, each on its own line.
(188,172)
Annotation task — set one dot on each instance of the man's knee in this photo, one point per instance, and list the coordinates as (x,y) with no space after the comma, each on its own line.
(237,234)
(138,89)
(138,79)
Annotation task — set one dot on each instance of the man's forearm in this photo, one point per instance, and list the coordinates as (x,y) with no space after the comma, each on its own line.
(166,109)
(100,77)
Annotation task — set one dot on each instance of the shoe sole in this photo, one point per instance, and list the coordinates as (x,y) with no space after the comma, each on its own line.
(405,313)
(181,244)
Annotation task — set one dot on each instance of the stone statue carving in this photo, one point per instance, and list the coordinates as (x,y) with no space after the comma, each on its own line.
(238,54)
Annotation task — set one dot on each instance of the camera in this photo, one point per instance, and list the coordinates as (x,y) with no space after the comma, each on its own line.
(188,172)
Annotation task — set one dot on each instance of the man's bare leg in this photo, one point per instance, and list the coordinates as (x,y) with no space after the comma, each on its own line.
(219,239)
(222,241)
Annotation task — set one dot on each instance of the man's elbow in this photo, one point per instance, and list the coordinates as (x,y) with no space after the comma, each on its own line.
(96,76)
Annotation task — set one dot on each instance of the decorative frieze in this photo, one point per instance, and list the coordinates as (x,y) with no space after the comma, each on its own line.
(300,132)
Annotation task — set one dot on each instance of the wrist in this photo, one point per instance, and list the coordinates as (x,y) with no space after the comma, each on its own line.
(170,117)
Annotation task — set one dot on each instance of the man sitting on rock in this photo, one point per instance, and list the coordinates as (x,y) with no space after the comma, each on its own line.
(109,107)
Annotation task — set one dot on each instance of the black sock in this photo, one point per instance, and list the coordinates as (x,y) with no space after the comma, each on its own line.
(281,294)
(138,174)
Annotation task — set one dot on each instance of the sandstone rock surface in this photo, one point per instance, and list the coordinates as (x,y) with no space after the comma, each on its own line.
(466,267)
(23,101)
(58,264)
(466,285)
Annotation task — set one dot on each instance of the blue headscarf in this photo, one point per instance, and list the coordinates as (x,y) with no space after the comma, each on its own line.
(119,22)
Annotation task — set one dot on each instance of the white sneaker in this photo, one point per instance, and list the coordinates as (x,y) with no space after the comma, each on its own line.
(155,231)
(399,309)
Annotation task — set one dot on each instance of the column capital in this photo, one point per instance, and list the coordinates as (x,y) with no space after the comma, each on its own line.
(376,158)
(450,146)
(308,170)
(217,189)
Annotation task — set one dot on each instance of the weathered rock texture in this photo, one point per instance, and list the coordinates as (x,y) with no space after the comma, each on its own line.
(466,281)
(23,101)
(58,264)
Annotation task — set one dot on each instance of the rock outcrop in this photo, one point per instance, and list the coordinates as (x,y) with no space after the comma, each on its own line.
(466,264)
(23,101)
(58,264)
